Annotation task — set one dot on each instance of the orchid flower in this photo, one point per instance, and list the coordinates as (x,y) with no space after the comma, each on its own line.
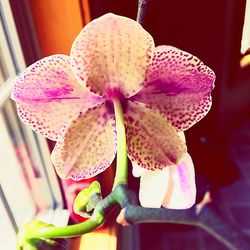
(114,66)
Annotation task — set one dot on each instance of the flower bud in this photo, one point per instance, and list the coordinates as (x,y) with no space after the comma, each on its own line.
(87,199)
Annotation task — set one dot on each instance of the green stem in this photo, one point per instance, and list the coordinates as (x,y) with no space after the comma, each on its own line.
(121,158)
(68,231)
(117,196)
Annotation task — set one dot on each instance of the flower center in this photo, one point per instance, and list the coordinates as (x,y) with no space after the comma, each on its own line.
(112,95)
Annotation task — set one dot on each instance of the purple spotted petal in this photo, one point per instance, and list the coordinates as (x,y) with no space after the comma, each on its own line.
(48,95)
(179,85)
(87,145)
(152,142)
(112,53)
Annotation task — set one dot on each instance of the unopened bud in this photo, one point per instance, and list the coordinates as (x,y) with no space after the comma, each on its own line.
(87,199)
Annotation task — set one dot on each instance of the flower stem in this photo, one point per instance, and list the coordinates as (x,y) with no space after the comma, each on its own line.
(68,231)
(39,230)
(142,11)
(121,158)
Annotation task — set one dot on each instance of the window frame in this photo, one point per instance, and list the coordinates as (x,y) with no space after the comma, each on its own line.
(12,62)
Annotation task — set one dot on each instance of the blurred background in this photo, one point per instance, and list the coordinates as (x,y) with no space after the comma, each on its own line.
(218,32)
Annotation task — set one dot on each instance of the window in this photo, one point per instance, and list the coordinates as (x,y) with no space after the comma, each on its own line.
(28,184)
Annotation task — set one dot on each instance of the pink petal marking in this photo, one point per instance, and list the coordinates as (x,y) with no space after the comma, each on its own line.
(152,142)
(183,185)
(112,53)
(87,145)
(48,95)
(179,85)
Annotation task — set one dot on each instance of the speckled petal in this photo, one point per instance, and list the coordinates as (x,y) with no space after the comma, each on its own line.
(183,191)
(87,145)
(138,171)
(112,53)
(152,142)
(179,85)
(47,95)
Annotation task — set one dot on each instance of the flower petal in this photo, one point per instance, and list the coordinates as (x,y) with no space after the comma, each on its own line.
(87,144)
(112,53)
(173,187)
(179,85)
(137,171)
(182,136)
(153,187)
(183,187)
(48,95)
(152,142)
